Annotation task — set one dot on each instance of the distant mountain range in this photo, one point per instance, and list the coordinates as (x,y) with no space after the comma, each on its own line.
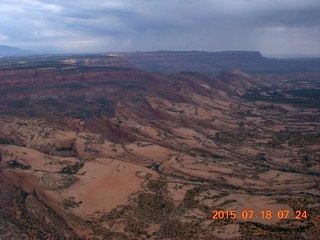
(211,63)
(8,51)
(208,63)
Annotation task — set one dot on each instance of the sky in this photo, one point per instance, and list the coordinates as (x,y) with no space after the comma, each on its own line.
(273,27)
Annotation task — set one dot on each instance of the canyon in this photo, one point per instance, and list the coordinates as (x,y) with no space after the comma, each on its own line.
(149,145)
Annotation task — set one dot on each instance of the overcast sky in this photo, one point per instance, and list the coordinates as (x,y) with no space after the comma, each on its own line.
(274,27)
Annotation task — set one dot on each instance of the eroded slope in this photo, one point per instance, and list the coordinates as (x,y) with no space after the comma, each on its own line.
(125,154)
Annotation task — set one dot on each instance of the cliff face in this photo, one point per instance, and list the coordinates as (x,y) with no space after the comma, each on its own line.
(212,63)
(195,61)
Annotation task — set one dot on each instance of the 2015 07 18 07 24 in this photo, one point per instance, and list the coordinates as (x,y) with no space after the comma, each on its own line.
(264,214)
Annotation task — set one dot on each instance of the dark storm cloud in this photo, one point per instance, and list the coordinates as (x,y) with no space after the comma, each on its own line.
(287,18)
(272,26)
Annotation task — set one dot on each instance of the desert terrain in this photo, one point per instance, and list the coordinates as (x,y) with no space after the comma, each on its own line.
(114,147)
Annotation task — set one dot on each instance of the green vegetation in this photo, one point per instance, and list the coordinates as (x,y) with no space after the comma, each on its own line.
(135,226)
(230,137)
(152,208)
(297,139)
(156,185)
(300,97)
(189,199)
(264,231)
(73,169)
(5,141)
(174,229)
(70,203)
(14,164)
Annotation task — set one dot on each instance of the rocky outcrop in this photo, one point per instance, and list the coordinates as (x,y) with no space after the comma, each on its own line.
(110,153)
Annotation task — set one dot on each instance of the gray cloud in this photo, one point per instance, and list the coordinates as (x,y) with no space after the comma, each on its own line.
(273,26)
